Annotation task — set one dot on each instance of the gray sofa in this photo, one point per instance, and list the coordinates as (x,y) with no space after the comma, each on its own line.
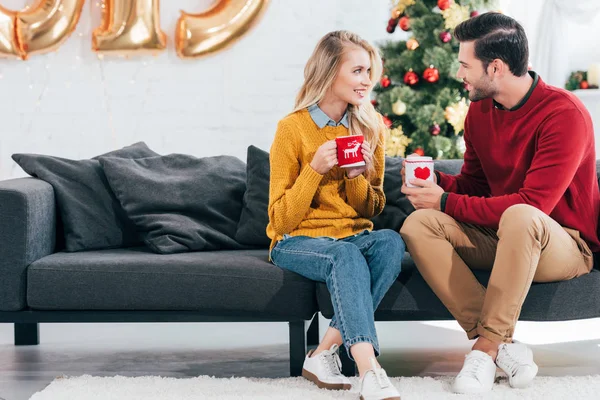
(41,283)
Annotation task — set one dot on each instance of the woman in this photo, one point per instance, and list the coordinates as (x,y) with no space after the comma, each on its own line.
(319,213)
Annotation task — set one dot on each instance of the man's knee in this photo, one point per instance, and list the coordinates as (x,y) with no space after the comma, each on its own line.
(419,220)
(521,217)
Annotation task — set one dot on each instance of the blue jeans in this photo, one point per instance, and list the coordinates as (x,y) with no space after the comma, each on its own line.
(358,271)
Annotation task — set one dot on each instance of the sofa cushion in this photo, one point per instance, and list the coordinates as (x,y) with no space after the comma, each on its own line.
(179,202)
(237,282)
(410,298)
(252,227)
(91,216)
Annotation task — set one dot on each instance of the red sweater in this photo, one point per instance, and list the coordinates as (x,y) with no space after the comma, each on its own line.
(541,154)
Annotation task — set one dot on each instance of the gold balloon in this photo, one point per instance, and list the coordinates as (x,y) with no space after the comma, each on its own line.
(9,48)
(129,27)
(46,25)
(216,28)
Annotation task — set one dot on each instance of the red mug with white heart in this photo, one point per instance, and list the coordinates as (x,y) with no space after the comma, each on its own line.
(349,152)
(419,168)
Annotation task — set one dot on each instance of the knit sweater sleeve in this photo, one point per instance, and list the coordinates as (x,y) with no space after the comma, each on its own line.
(292,185)
(366,196)
(551,172)
(472,179)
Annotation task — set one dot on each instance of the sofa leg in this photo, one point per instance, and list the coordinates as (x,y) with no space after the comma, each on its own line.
(312,335)
(27,334)
(348,366)
(297,347)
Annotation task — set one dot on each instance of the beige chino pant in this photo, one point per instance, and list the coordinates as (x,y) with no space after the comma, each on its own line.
(528,246)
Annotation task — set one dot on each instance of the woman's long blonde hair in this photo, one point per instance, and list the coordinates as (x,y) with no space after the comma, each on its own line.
(320,72)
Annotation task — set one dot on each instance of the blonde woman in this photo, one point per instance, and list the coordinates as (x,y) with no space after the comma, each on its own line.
(319,213)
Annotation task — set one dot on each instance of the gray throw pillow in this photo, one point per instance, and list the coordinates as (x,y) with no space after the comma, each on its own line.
(179,202)
(397,207)
(91,216)
(254,219)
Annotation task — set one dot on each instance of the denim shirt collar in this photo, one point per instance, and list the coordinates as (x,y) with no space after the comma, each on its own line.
(322,119)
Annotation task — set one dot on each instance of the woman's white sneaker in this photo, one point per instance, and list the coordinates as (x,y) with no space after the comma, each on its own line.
(516,360)
(324,370)
(477,374)
(375,385)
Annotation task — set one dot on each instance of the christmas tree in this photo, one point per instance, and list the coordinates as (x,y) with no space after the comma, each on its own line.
(422,101)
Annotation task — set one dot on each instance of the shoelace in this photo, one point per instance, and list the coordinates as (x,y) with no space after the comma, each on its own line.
(512,362)
(471,366)
(379,374)
(332,360)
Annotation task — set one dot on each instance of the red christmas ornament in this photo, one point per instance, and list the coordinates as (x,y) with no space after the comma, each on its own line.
(419,151)
(435,129)
(385,81)
(374,102)
(404,23)
(387,121)
(444,4)
(411,78)
(584,85)
(431,74)
(392,23)
(445,36)
(474,13)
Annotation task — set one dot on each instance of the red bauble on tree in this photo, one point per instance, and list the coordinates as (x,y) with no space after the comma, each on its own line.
(411,78)
(431,74)
(391,27)
(404,23)
(474,13)
(387,121)
(584,85)
(444,4)
(435,129)
(374,102)
(445,36)
(419,151)
(385,82)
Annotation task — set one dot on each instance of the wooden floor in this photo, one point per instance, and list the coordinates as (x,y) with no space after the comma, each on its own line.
(260,350)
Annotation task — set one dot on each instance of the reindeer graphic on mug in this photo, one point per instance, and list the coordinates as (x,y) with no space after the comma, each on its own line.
(352,150)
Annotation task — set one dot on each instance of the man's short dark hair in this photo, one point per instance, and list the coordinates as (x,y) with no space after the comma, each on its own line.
(496,36)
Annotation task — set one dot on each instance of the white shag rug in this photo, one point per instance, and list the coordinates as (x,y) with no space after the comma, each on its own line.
(204,387)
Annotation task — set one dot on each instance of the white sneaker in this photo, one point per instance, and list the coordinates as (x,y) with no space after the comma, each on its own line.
(516,360)
(477,374)
(324,370)
(375,385)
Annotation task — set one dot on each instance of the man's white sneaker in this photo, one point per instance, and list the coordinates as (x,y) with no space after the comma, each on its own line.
(516,360)
(375,385)
(477,374)
(324,370)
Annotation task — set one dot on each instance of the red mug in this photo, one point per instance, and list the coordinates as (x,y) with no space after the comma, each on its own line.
(349,152)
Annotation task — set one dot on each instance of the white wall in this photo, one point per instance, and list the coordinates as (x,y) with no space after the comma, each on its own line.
(73,105)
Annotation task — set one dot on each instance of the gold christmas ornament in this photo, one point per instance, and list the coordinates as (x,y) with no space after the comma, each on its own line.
(402,5)
(396,142)
(455,115)
(412,44)
(396,13)
(454,15)
(399,107)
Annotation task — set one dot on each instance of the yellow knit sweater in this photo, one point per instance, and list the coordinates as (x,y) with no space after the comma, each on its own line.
(304,202)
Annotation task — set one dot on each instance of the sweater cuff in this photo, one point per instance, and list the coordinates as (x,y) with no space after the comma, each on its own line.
(443,201)
(357,187)
(309,178)
(450,205)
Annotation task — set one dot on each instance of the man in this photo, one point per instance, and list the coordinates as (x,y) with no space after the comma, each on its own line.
(524,206)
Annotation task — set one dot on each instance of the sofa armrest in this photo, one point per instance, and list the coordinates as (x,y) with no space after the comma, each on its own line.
(27,233)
